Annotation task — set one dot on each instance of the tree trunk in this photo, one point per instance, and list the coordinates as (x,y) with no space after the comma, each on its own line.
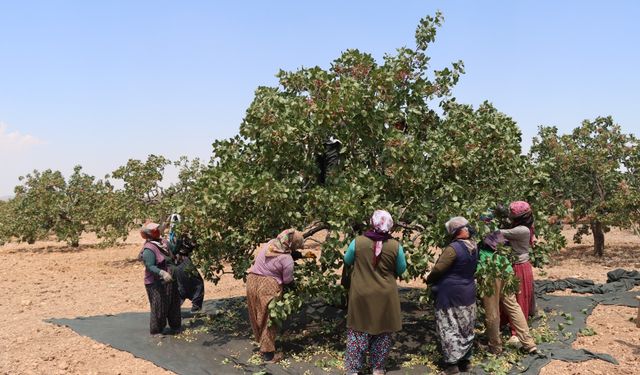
(598,238)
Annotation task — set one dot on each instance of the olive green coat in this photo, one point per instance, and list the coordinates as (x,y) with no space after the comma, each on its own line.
(374,303)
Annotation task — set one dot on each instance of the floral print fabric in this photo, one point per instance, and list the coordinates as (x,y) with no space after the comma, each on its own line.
(358,343)
(455,329)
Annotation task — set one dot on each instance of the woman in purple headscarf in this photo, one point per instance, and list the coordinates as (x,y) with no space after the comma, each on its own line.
(374,304)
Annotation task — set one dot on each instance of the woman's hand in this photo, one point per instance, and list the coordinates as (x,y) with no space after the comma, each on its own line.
(166,276)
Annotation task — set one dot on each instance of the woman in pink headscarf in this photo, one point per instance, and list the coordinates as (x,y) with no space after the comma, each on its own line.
(374,304)
(521,237)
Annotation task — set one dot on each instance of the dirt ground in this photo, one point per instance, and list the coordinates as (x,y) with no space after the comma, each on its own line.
(48,280)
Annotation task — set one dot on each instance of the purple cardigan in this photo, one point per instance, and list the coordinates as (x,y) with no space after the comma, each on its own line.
(279,267)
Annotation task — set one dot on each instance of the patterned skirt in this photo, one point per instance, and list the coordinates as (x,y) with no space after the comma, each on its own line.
(260,291)
(455,328)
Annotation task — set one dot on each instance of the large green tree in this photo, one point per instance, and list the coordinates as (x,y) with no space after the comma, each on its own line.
(595,167)
(45,203)
(406,146)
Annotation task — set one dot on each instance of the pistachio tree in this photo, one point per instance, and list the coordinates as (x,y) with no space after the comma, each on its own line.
(595,168)
(46,204)
(326,147)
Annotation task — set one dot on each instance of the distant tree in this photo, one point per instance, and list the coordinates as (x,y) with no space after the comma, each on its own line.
(37,204)
(595,167)
(6,221)
(46,204)
(142,196)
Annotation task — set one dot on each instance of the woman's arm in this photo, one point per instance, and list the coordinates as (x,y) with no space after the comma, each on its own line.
(149,259)
(401,262)
(350,255)
(516,233)
(287,268)
(444,262)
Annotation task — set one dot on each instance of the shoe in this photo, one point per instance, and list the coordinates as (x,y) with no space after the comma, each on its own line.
(196,309)
(464,365)
(450,370)
(533,350)
(514,341)
(495,350)
(271,357)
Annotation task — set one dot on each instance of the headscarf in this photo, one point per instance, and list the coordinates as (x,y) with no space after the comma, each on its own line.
(287,241)
(521,214)
(454,225)
(381,224)
(151,231)
(174,219)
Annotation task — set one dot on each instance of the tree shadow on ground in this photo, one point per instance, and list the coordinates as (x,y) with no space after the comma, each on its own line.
(615,256)
(62,248)
(634,347)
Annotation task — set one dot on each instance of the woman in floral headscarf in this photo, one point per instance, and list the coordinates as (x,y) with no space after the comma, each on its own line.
(521,237)
(272,268)
(374,305)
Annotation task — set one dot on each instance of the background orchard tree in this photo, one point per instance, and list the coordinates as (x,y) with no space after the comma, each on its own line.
(46,204)
(76,210)
(396,152)
(595,167)
(6,221)
(142,195)
(36,205)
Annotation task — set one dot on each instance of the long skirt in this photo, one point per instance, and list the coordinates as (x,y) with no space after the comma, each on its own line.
(526,297)
(260,291)
(454,326)
(164,300)
(358,343)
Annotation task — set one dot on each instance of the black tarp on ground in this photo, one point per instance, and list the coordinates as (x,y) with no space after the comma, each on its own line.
(227,348)
(219,341)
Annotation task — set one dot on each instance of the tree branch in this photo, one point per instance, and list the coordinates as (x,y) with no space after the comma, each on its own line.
(416,227)
(312,231)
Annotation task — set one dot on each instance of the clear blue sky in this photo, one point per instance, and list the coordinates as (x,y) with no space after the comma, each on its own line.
(98,82)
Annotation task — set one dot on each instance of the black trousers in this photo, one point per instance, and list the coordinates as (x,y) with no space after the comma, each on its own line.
(190,283)
(165,306)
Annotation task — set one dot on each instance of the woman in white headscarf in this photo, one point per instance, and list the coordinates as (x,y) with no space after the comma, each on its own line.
(374,305)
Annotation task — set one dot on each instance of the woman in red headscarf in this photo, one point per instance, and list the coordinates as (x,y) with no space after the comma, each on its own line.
(521,237)
(162,290)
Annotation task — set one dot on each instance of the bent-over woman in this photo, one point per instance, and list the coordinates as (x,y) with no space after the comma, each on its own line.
(272,268)
(453,284)
(189,280)
(373,312)
(162,290)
